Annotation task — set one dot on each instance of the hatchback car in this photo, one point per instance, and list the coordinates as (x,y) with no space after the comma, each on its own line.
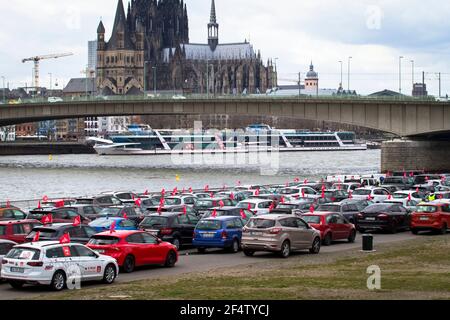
(53,232)
(132,249)
(86,210)
(17,230)
(174,227)
(59,215)
(54,264)
(128,212)
(231,212)
(384,216)
(332,226)
(5,247)
(281,234)
(100,201)
(335,195)
(375,194)
(104,224)
(202,205)
(221,232)
(434,216)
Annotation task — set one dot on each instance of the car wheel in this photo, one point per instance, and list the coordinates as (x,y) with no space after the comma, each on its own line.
(171,259)
(16,284)
(58,281)
(249,253)
(315,249)
(201,250)
(328,239)
(285,249)
(352,236)
(176,242)
(110,274)
(129,264)
(235,246)
(415,231)
(443,229)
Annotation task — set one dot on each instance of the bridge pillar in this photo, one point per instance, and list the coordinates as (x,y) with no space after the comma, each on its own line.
(431,156)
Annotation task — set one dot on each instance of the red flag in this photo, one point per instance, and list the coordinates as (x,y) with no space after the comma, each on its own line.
(272,206)
(305,181)
(339,187)
(411,174)
(303,193)
(257,192)
(350,195)
(59,204)
(390,197)
(409,197)
(8,204)
(190,190)
(297,180)
(184,191)
(323,187)
(323,194)
(243,215)
(159,210)
(175,191)
(125,216)
(39,205)
(427,178)
(214,213)
(249,207)
(369,197)
(282,200)
(184,210)
(221,204)
(47,219)
(36,236)
(311,209)
(64,239)
(112,227)
(417,190)
(161,202)
(45,198)
(77,221)
(133,197)
(239,182)
(211,195)
(232,196)
(206,188)
(138,202)
(146,193)
(404,174)
(163,192)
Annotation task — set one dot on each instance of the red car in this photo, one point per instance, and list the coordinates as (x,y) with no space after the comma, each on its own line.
(332,226)
(134,248)
(434,216)
(17,230)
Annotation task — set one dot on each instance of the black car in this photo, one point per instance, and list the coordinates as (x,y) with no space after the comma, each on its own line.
(202,205)
(230,212)
(400,182)
(349,210)
(133,213)
(174,227)
(336,195)
(100,201)
(238,195)
(59,215)
(79,234)
(174,208)
(384,216)
(423,178)
(86,210)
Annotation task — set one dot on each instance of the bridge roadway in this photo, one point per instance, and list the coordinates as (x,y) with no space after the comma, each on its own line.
(404,118)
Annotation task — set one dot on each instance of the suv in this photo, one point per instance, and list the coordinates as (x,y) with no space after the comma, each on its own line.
(79,234)
(5,247)
(281,234)
(12,213)
(433,216)
(59,215)
(54,264)
(17,230)
(100,201)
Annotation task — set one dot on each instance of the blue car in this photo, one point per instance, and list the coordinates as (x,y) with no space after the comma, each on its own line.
(220,232)
(104,224)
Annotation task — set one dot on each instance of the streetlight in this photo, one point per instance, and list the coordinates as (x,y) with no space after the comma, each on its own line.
(341,72)
(154,79)
(349,59)
(4,90)
(400,73)
(50,74)
(412,72)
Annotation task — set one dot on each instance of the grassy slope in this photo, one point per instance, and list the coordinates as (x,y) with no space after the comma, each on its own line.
(417,269)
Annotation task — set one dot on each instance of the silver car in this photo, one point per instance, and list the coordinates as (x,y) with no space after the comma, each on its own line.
(5,247)
(281,234)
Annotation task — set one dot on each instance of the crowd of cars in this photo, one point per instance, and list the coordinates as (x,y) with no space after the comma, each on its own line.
(94,238)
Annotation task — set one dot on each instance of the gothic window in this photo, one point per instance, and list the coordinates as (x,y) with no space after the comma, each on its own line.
(107,59)
(128,59)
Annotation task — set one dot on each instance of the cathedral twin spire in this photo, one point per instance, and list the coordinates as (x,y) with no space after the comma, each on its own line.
(213,28)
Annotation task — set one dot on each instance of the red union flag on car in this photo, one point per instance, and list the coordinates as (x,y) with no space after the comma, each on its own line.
(45,198)
(112,227)
(232,196)
(59,204)
(47,219)
(214,213)
(311,209)
(36,236)
(243,215)
(221,204)
(184,210)
(77,221)
(64,239)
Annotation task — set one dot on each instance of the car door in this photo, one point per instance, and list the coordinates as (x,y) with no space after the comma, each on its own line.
(186,229)
(61,257)
(90,264)
(291,228)
(78,235)
(305,233)
(342,227)
(138,248)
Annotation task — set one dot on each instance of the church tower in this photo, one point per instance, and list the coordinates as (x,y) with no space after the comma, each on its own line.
(312,80)
(213,28)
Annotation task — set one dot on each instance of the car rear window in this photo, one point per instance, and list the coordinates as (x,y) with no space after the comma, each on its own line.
(44,233)
(2,230)
(209,225)
(329,208)
(261,224)
(21,253)
(101,223)
(172,201)
(312,219)
(204,203)
(111,211)
(427,209)
(362,192)
(155,221)
(244,205)
(103,240)
(393,181)
(377,208)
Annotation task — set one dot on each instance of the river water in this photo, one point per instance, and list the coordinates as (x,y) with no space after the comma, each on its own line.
(31,177)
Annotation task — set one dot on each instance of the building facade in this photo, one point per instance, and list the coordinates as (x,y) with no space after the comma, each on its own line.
(92,55)
(149,49)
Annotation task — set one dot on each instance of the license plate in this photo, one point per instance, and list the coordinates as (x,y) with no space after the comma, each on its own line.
(208,235)
(17,270)
(370,219)
(256,233)
(424,218)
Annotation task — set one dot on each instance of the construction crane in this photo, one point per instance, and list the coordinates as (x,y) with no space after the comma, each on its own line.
(36,61)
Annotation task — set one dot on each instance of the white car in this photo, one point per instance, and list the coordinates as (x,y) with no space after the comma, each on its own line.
(55,99)
(180,200)
(57,265)
(5,247)
(179,97)
(257,206)
(405,194)
(408,204)
(297,192)
(350,186)
(376,194)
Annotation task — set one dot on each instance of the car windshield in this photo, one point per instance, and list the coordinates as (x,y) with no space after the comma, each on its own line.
(362,192)
(103,240)
(204,203)
(261,224)
(209,225)
(329,208)
(426,209)
(245,205)
(24,254)
(172,201)
(155,221)
(101,223)
(312,219)
(111,211)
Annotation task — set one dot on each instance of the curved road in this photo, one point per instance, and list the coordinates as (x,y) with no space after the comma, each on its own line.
(190,262)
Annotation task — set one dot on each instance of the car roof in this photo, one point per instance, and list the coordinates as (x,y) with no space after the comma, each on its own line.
(54,226)
(119,233)
(221,218)
(273,216)
(43,244)
(320,213)
(5,222)
(225,208)
(7,241)
(255,201)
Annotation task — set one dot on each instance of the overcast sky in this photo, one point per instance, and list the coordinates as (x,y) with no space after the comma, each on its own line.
(375,33)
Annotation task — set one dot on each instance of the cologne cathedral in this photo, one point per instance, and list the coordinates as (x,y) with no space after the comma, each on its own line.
(149,49)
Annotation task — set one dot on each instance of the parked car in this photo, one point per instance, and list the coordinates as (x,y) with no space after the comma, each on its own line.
(86,210)
(349,210)
(433,216)
(175,208)
(279,233)
(176,228)
(410,205)
(125,196)
(424,178)
(202,205)
(5,247)
(238,195)
(375,194)
(100,201)
(104,224)
(11,213)
(230,212)
(257,206)
(131,213)
(332,226)
(221,232)
(133,249)
(385,217)
(346,186)
(78,234)
(59,215)
(180,201)
(405,194)
(335,195)
(403,183)
(49,263)
(17,230)
(297,192)
(298,206)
